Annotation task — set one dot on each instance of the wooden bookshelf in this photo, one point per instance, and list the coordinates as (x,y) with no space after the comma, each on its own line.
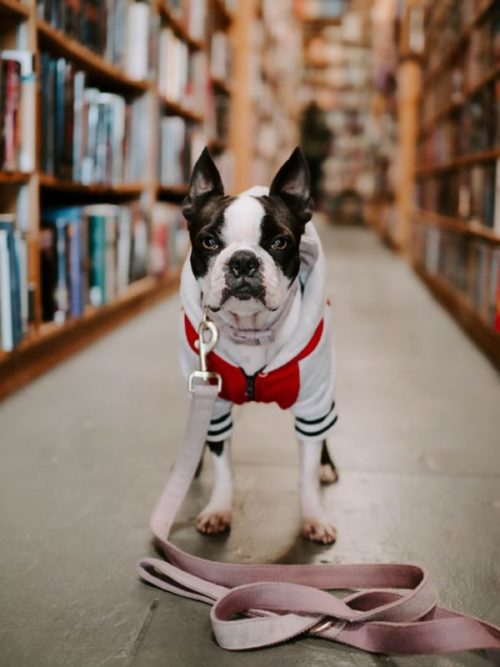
(47,343)
(178,109)
(174,192)
(14,8)
(462,161)
(457,305)
(461,40)
(473,229)
(452,250)
(14,177)
(58,43)
(51,343)
(466,95)
(120,190)
(179,27)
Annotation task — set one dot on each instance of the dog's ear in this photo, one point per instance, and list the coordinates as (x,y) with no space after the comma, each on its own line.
(205,182)
(292,184)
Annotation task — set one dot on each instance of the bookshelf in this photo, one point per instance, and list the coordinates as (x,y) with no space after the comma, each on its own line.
(128,193)
(266,91)
(455,232)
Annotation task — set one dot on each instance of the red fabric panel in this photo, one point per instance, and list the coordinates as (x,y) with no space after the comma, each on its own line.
(280,385)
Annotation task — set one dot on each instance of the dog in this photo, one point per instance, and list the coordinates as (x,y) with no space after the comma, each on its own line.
(256,267)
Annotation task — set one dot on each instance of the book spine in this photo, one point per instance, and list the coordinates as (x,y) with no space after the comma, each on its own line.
(61,294)
(7,337)
(97,259)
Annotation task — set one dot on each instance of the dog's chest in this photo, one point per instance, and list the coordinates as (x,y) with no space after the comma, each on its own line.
(250,358)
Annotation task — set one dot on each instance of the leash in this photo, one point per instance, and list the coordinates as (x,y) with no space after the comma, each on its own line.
(394,609)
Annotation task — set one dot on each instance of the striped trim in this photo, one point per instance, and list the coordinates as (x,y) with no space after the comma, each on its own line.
(313,428)
(315,421)
(219,420)
(316,434)
(220,428)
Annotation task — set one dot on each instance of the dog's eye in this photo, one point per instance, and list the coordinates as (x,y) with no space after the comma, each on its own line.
(210,243)
(279,243)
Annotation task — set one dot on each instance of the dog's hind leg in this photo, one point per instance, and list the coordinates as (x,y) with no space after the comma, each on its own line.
(216,516)
(327,471)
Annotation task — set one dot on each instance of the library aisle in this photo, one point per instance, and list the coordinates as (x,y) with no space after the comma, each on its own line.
(87,448)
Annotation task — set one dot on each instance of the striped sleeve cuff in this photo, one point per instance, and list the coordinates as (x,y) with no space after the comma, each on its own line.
(220,428)
(316,428)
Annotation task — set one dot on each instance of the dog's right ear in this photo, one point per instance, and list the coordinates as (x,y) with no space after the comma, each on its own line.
(205,183)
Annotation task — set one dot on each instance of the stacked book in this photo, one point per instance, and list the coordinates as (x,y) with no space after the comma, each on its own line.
(118,30)
(89,136)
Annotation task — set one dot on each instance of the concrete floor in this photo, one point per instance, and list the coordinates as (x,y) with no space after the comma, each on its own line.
(86,449)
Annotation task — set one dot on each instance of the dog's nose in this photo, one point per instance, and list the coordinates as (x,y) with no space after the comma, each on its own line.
(243,263)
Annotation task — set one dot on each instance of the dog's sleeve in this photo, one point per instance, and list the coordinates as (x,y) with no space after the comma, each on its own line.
(315,410)
(221,424)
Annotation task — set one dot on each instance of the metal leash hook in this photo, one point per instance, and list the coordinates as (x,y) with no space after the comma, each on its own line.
(205,346)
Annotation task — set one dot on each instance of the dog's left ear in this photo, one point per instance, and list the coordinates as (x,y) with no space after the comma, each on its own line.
(292,184)
(205,182)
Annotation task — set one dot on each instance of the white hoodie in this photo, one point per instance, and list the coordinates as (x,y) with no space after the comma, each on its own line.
(299,371)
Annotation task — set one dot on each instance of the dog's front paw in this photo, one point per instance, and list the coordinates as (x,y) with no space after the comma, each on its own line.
(328,474)
(319,530)
(211,522)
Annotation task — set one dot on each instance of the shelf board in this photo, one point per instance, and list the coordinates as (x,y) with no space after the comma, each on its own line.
(179,27)
(221,85)
(220,7)
(462,161)
(57,42)
(217,145)
(15,8)
(454,106)
(174,192)
(48,182)
(180,110)
(53,343)
(460,42)
(458,225)
(483,334)
(14,177)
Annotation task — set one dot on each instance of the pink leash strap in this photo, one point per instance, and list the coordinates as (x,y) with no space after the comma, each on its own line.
(394,609)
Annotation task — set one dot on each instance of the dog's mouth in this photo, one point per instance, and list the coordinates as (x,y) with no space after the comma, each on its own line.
(243,290)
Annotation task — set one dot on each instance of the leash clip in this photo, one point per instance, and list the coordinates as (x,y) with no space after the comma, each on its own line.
(208,335)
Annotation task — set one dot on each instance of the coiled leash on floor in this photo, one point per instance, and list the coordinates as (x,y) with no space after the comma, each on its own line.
(279,602)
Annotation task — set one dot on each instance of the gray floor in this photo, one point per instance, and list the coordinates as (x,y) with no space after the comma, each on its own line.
(86,449)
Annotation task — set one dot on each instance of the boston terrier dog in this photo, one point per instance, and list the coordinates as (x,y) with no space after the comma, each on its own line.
(257,269)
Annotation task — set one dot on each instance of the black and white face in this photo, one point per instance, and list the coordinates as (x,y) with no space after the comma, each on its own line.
(245,249)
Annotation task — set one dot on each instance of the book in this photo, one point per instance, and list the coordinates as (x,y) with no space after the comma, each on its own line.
(26,103)
(13,283)
(102,221)
(10,103)
(71,251)
(6,329)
